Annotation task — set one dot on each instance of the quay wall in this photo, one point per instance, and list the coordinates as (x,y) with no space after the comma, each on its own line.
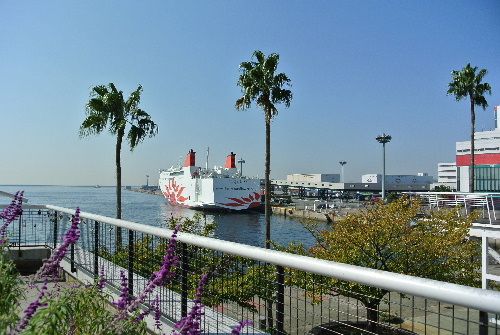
(304,214)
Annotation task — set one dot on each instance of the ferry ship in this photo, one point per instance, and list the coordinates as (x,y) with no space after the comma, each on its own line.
(220,188)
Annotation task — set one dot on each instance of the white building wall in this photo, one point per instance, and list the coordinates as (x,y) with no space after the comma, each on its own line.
(485,142)
(371,178)
(447,175)
(314,177)
(422,178)
(463,172)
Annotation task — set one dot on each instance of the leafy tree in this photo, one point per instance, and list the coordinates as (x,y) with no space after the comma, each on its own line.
(227,272)
(467,83)
(391,237)
(442,188)
(108,109)
(259,82)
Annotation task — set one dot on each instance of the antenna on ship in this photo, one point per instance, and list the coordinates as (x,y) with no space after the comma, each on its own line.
(241,161)
(208,153)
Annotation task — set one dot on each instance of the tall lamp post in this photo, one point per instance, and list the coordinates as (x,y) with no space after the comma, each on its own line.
(241,161)
(384,138)
(342,163)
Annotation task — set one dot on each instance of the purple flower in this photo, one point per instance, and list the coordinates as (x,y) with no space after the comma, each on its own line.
(102,279)
(124,299)
(156,307)
(50,267)
(31,310)
(160,277)
(191,324)
(11,213)
(237,329)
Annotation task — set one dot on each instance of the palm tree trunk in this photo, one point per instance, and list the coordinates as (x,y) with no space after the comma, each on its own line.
(267,188)
(118,149)
(472,147)
(268,183)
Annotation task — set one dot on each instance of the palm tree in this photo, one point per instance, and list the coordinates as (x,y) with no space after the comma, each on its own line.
(260,83)
(466,83)
(108,109)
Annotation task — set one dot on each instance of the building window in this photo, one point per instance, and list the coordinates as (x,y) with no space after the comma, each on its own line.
(487,178)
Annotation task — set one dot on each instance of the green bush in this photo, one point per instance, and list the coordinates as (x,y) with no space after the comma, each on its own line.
(10,292)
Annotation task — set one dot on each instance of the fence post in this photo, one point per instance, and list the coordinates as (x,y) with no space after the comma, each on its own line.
(280,299)
(184,280)
(483,323)
(131,262)
(96,249)
(19,237)
(72,258)
(72,253)
(56,216)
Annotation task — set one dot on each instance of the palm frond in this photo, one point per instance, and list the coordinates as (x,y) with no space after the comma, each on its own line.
(279,95)
(271,63)
(259,55)
(246,66)
(93,124)
(281,79)
(260,83)
(137,133)
(467,83)
(243,103)
(142,127)
(99,90)
(134,100)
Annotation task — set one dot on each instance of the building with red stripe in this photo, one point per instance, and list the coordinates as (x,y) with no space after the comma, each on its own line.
(487,160)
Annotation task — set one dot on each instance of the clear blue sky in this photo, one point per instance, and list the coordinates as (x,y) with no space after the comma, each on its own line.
(359,68)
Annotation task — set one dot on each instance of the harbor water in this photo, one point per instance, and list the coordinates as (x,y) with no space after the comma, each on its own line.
(248,228)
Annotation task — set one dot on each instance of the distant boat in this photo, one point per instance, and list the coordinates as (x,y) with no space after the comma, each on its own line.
(97,186)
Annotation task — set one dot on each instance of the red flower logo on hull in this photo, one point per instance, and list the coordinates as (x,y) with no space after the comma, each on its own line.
(251,201)
(173,192)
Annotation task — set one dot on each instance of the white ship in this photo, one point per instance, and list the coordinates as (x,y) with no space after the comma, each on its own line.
(203,188)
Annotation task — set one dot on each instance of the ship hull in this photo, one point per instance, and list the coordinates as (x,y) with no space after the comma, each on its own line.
(211,194)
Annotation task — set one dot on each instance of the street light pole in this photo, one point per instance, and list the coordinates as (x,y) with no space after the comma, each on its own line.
(342,163)
(384,138)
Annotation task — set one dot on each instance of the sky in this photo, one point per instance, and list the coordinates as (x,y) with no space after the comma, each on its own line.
(358,69)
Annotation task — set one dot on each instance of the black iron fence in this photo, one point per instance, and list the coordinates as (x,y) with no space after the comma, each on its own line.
(278,295)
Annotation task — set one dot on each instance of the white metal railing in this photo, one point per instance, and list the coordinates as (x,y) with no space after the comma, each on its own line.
(468,201)
(483,300)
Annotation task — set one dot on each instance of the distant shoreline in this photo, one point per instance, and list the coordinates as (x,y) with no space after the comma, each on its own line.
(52,185)
(152,192)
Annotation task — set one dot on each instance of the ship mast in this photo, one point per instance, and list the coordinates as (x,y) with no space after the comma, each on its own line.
(208,153)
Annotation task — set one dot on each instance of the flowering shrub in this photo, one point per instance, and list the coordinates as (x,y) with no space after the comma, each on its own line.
(50,267)
(10,283)
(191,323)
(9,214)
(10,292)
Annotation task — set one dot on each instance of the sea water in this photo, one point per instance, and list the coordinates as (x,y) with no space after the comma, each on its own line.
(248,228)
